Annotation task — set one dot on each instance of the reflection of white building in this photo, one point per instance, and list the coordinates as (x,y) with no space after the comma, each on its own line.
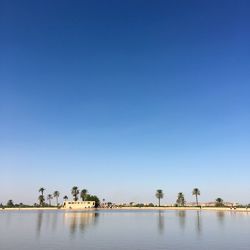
(78,204)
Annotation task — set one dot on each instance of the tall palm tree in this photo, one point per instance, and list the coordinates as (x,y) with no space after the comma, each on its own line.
(196,192)
(159,195)
(56,195)
(41,200)
(65,198)
(180,199)
(49,198)
(75,192)
(84,194)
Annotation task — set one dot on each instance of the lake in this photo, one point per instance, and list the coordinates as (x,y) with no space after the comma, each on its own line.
(132,230)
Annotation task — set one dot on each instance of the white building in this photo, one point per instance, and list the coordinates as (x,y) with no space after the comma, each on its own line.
(78,204)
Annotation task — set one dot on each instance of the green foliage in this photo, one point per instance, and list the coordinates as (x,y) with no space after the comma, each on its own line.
(56,195)
(83,194)
(196,192)
(110,204)
(75,192)
(41,200)
(219,202)
(139,205)
(41,190)
(10,203)
(93,198)
(180,199)
(150,205)
(159,195)
(49,198)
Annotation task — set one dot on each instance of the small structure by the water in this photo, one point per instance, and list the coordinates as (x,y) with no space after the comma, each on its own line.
(78,204)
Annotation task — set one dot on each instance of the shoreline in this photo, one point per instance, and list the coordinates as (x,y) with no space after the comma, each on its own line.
(222,209)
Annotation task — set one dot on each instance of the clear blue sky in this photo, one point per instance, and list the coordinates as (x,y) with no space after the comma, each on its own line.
(124,97)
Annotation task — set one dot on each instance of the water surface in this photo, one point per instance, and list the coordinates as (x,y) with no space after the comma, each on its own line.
(107,230)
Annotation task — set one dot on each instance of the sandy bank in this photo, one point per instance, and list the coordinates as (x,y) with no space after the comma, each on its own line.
(133,208)
(42,209)
(186,209)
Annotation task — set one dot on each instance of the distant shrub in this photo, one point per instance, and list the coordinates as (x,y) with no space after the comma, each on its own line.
(139,205)
(150,205)
(10,203)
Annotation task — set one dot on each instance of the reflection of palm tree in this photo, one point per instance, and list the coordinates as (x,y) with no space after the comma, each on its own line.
(182,218)
(160,221)
(221,216)
(80,220)
(54,221)
(39,222)
(159,195)
(196,192)
(198,224)
(73,224)
(95,217)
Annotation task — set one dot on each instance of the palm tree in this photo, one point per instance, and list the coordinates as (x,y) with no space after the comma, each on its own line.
(65,198)
(41,200)
(180,199)
(41,197)
(84,194)
(10,203)
(219,202)
(49,198)
(159,195)
(56,195)
(41,190)
(75,192)
(196,192)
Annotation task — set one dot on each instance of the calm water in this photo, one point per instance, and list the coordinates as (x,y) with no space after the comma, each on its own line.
(107,230)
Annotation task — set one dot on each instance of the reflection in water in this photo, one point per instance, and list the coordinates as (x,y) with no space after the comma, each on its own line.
(80,220)
(147,230)
(198,222)
(54,221)
(221,217)
(161,221)
(39,222)
(74,220)
(182,218)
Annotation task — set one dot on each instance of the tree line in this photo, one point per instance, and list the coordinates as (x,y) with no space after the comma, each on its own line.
(85,196)
(75,192)
(181,202)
